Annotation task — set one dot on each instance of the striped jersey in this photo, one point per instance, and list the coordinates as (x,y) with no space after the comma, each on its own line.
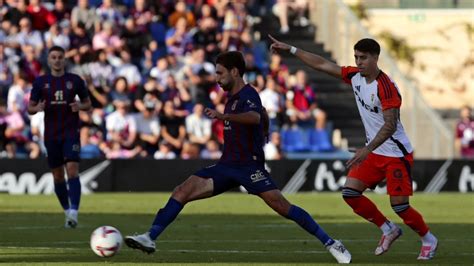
(60,122)
(243,143)
(372,99)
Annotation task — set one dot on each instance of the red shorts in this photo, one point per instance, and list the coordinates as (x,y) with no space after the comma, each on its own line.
(397,170)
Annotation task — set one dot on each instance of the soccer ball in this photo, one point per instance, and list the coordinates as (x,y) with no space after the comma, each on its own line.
(106,241)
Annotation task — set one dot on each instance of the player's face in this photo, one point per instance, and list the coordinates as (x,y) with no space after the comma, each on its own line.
(56,61)
(366,62)
(224,78)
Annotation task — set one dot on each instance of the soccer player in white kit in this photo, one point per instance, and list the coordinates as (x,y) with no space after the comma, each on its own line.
(387,154)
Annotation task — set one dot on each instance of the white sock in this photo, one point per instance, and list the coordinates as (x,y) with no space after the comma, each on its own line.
(428,239)
(387,227)
(73,212)
(67,211)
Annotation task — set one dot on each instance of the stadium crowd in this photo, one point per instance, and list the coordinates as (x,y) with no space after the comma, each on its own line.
(148,66)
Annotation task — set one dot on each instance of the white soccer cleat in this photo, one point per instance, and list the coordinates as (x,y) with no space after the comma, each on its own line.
(142,242)
(428,251)
(387,240)
(71,219)
(339,252)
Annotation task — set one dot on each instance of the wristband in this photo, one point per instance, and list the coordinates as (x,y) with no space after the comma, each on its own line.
(293,50)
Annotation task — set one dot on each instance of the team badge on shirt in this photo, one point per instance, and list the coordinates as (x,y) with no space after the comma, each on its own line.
(234,105)
(372,98)
(69,85)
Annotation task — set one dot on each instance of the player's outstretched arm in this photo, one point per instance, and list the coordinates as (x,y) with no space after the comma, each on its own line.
(313,60)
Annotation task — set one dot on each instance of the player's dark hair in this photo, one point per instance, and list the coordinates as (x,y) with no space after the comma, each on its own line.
(232,59)
(57,49)
(368,46)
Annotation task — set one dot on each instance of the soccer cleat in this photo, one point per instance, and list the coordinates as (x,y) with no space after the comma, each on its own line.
(71,219)
(387,240)
(428,251)
(339,252)
(142,242)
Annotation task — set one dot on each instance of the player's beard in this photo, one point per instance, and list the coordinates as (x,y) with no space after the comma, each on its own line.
(227,86)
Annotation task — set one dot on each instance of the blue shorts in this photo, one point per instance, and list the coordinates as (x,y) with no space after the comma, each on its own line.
(255,179)
(60,152)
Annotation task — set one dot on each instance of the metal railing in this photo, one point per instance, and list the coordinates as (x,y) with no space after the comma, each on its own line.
(339,29)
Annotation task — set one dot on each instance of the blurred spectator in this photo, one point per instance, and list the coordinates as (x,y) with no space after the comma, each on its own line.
(236,34)
(55,37)
(180,11)
(211,151)
(206,35)
(17,12)
(41,18)
(165,151)
(28,36)
(121,126)
(78,39)
(120,91)
(29,64)
(61,12)
(273,101)
(37,130)
(141,14)
(134,40)
(272,148)
(465,133)
(178,40)
(91,134)
(148,127)
(189,151)
(148,92)
(299,7)
(161,72)
(83,14)
(108,12)
(128,70)
(14,136)
(18,95)
(178,94)
(301,104)
(6,75)
(198,126)
(106,39)
(172,127)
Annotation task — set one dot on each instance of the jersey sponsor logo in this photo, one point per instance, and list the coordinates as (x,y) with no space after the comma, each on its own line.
(366,106)
(358,88)
(257,176)
(227,125)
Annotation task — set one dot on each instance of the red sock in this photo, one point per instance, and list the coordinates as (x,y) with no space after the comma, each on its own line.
(414,220)
(367,209)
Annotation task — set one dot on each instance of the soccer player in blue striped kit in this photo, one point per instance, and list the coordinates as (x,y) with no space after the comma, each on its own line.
(55,94)
(242,163)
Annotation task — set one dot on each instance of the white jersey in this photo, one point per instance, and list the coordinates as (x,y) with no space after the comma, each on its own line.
(372,99)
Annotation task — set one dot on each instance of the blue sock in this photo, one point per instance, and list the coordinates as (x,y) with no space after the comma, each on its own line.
(61,192)
(74,192)
(305,220)
(164,217)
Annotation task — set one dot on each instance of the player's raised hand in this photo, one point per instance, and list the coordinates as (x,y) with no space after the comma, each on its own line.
(211,113)
(75,106)
(277,46)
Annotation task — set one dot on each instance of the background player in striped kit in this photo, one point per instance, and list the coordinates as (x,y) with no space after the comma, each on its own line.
(55,94)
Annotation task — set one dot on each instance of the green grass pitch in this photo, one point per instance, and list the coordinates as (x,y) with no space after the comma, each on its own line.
(233,228)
